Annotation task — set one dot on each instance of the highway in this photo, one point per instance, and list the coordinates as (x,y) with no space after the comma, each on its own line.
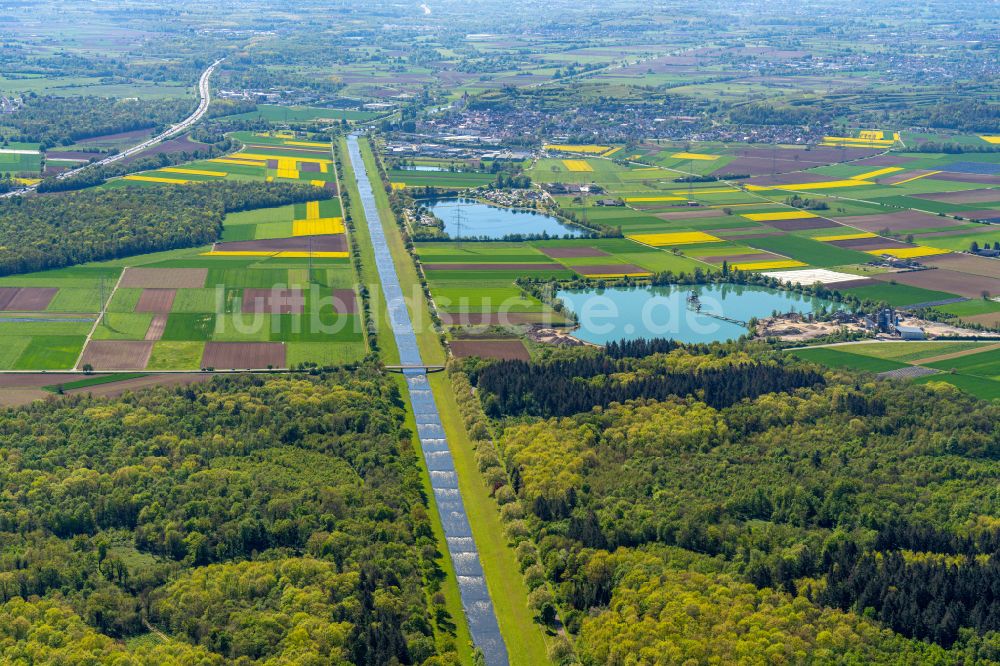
(205,94)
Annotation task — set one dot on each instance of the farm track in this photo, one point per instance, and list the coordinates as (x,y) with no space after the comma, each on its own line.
(98,319)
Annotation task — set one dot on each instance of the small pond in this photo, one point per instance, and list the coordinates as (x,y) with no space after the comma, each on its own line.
(617,313)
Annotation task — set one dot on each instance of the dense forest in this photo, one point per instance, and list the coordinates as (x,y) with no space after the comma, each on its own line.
(969,115)
(766,114)
(247,520)
(567,386)
(788,513)
(61,121)
(56,230)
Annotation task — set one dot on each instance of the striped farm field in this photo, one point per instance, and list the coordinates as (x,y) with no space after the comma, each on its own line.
(577,165)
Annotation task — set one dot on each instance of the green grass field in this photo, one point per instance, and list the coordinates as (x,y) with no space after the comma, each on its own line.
(443,179)
(175,355)
(911,350)
(835,357)
(302,114)
(814,253)
(897,294)
(986,389)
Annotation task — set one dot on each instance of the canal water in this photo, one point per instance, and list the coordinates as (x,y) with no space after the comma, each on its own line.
(462,549)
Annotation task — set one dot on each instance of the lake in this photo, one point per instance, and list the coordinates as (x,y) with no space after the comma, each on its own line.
(479,219)
(629,313)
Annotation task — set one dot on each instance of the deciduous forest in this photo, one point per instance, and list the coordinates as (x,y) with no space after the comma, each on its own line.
(805,513)
(276,521)
(72,228)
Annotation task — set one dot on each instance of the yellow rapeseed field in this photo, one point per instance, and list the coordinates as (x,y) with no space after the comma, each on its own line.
(822,185)
(840,237)
(909,252)
(695,156)
(675,238)
(590,149)
(917,177)
(316,227)
(876,174)
(312,210)
(317,183)
(780,215)
(577,165)
(990,139)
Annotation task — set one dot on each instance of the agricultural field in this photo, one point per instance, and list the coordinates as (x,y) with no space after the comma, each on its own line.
(284,114)
(278,290)
(473,283)
(837,206)
(20,159)
(969,365)
(264,157)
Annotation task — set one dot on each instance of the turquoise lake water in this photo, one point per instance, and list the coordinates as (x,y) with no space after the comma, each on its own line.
(479,219)
(630,313)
